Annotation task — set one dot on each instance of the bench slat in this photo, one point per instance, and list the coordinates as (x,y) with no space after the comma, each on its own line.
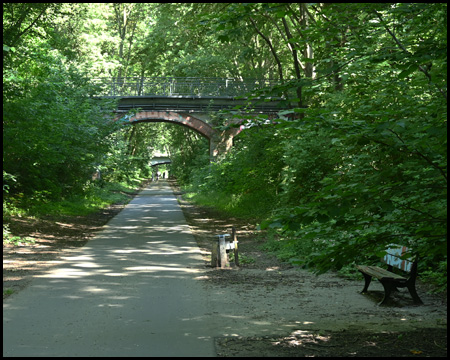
(379,273)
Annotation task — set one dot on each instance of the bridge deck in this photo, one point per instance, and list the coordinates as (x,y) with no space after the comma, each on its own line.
(190,94)
(196,104)
(173,86)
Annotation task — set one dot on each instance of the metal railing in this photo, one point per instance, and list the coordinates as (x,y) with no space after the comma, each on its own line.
(173,86)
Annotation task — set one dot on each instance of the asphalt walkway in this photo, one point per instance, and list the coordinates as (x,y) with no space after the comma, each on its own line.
(131,291)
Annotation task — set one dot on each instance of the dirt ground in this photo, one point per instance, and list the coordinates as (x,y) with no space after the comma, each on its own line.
(302,314)
(299,314)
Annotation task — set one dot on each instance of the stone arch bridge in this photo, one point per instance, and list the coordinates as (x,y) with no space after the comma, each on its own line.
(188,102)
(218,141)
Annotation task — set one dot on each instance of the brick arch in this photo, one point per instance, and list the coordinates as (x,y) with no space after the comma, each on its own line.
(218,141)
(184,119)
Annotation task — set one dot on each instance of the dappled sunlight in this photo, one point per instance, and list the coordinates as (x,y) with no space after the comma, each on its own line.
(302,338)
(168,203)
(149,230)
(110,305)
(113,274)
(159,251)
(94,289)
(67,273)
(256,310)
(88,266)
(144,272)
(249,323)
(159,269)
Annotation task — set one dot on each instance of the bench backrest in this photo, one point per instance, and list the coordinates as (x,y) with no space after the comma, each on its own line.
(393,255)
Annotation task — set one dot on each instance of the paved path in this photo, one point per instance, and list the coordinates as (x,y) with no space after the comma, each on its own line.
(131,291)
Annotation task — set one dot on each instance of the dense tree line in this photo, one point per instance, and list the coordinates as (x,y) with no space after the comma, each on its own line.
(358,162)
(364,164)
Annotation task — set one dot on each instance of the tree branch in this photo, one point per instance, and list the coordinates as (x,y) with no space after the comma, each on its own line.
(423,156)
(269,43)
(295,59)
(20,34)
(400,45)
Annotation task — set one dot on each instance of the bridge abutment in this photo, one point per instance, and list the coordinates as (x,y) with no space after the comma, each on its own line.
(222,143)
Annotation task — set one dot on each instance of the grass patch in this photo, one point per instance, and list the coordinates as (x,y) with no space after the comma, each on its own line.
(93,199)
(243,259)
(8,292)
(251,206)
(216,200)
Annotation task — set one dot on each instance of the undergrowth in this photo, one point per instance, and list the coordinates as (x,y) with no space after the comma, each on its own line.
(94,198)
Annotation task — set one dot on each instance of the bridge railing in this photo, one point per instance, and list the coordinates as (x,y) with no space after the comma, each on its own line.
(173,86)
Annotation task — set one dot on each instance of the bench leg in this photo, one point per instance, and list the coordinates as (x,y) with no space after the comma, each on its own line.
(367,280)
(413,292)
(388,287)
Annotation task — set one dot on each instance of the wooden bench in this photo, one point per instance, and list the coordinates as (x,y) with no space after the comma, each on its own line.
(390,280)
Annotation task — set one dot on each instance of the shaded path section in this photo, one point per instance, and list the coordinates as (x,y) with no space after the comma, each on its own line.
(131,291)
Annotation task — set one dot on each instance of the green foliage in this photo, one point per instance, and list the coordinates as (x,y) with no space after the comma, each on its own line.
(365,164)
(358,162)
(382,178)
(243,259)
(245,181)
(390,183)
(8,292)
(188,151)
(49,149)
(91,200)
(436,276)
(8,238)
